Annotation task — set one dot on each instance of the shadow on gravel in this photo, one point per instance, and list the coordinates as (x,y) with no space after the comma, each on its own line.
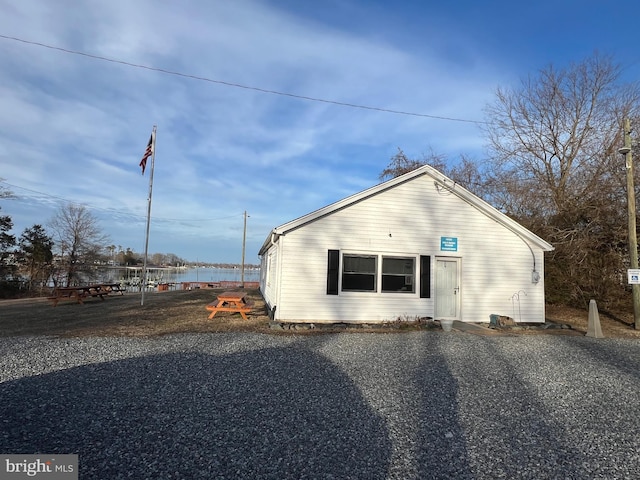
(510,431)
(272,413)
(625,357)
(443,452)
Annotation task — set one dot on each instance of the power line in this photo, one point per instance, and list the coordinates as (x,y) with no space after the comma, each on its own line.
(237,85)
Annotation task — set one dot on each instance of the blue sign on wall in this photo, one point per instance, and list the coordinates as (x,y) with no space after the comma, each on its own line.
(449,244)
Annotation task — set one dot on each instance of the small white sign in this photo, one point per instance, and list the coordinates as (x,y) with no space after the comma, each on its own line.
(633,276)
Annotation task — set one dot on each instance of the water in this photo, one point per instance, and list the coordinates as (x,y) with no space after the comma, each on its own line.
(200,274)
(215,275)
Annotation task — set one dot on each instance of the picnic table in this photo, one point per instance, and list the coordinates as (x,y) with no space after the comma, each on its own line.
(77,294)
(234,302)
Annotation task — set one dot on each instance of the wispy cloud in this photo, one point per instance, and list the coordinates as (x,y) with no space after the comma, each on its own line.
(75,127)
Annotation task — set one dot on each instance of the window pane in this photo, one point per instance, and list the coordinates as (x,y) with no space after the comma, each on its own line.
(400,266)
(359,264)
(359,273)
(398,274)
(354,281)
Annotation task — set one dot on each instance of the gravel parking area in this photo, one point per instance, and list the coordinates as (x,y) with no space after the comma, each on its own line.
(351,405)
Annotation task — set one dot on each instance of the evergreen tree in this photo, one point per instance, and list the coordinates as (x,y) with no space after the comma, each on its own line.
(35,255)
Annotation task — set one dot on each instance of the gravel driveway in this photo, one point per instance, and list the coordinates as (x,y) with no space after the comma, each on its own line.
(352,405)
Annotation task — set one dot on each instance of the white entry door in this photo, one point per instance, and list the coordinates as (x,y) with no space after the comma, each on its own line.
(447,288)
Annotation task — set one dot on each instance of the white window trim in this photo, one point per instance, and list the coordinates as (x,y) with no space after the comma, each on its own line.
(379,256)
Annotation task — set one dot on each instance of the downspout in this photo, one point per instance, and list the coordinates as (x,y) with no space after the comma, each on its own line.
(535,276)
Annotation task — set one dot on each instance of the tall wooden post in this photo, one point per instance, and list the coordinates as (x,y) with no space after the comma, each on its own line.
(631,207)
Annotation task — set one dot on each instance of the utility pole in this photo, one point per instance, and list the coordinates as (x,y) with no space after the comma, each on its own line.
(631,207)
(244,242)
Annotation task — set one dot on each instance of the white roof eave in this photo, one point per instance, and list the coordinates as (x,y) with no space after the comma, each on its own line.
(440,179)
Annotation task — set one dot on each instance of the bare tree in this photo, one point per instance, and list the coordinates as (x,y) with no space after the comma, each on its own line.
(401,164)
(560,128)
(466,172)
(79,240)
(554,144)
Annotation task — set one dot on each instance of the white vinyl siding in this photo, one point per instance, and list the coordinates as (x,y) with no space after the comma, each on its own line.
(408,221)
(269,276)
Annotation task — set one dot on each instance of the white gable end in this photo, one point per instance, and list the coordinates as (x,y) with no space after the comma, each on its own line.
(428,228)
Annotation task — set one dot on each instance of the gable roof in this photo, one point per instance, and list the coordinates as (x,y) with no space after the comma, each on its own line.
(440,180)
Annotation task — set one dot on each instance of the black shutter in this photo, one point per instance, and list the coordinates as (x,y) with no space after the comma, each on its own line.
(333,271)
(425,276)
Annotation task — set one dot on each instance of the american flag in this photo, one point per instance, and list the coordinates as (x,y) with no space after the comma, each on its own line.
(147,153)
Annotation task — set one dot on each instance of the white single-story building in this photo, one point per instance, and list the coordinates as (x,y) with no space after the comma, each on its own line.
(416,246)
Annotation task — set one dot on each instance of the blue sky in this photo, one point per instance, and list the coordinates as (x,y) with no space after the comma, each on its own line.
(73,128)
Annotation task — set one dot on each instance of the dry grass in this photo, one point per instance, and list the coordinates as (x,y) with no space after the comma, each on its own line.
(183,311)
(162,313)
(614,325)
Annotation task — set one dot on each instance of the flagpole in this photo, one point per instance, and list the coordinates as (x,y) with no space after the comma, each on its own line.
(146,242)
